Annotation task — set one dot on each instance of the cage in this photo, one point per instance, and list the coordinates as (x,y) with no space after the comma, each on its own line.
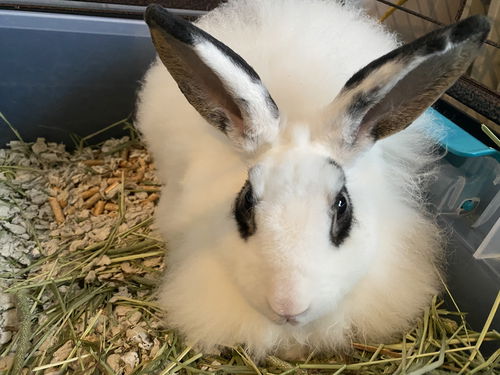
(74,67)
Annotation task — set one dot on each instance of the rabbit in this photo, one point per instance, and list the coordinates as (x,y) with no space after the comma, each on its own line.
(293,144)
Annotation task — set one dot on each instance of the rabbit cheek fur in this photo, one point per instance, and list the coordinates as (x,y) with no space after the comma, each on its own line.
(291,224)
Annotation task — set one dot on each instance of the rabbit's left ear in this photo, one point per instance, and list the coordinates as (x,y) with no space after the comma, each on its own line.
(216,81)
(389,93)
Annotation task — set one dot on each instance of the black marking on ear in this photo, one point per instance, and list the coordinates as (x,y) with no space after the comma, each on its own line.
(342,218)
(433,45)
(473,27)
(360,75)
(243,211)
(188,33)
(179,28)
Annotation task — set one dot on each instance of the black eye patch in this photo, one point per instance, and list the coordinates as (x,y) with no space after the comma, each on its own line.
(341,213)
(243,211)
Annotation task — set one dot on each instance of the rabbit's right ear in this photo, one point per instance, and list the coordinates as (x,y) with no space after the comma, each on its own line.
(388,94)
(217,82)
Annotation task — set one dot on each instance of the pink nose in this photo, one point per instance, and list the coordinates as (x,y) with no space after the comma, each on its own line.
(288,309)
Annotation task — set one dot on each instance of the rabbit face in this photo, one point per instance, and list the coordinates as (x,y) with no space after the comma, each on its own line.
(294,210)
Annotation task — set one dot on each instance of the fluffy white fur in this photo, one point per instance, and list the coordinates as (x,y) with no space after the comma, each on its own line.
(217,285)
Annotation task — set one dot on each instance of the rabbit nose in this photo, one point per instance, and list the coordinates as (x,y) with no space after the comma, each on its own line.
(289,310)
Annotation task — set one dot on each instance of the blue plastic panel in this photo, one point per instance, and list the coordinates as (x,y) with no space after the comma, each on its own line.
(458,141)
(63,74)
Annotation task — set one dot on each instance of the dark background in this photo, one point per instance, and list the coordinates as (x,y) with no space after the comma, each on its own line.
(180,4)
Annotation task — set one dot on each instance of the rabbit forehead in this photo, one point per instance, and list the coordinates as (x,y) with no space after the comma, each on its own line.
(296,170)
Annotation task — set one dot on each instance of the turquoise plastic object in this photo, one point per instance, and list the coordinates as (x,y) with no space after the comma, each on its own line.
(468,205)
(458,141)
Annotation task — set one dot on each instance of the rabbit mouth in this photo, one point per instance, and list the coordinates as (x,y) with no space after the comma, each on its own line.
(292,321)
(286,320)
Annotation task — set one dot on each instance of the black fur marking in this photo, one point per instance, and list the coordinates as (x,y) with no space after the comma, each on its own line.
(180,29)
(237,59)
(188,33)
(473,25)
(342,217)
(360,75)
(243,211)
(472,28)
(434,45)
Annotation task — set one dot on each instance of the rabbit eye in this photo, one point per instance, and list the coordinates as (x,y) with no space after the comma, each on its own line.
(341,218)
(243,211)
(341,205)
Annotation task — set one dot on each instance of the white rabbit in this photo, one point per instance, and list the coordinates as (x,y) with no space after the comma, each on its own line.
(291,225)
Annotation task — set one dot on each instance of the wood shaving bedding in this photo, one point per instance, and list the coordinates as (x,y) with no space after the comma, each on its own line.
(54,203)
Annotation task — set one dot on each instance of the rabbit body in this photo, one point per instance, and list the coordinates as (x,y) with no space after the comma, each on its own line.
(217,287)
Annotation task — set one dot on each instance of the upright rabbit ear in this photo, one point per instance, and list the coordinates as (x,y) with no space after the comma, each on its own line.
(389,93)
(217,82)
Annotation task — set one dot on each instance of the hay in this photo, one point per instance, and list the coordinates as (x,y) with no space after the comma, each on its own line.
(87,304)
